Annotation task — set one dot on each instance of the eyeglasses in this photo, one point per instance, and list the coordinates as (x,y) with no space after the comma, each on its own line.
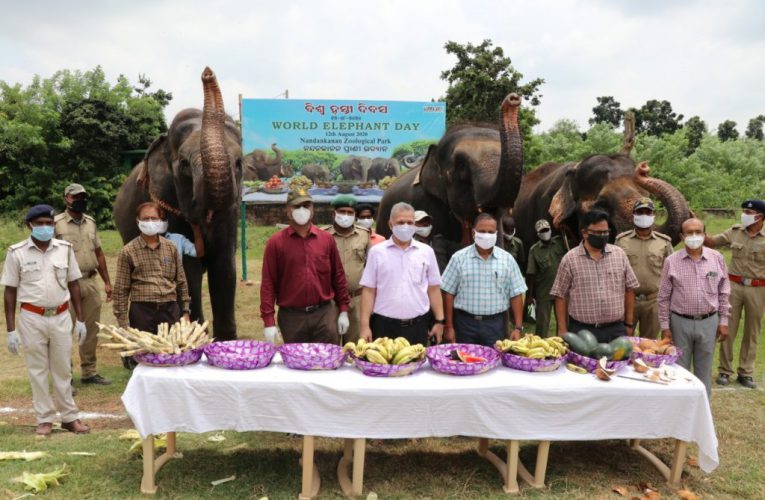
(598,233)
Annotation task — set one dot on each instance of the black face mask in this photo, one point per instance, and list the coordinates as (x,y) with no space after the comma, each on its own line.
(79,205)
(597,241)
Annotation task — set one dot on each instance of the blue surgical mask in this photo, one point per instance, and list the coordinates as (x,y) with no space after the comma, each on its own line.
(42,233)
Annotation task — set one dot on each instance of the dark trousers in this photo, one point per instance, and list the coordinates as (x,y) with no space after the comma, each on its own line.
(414,330)
(486,331)
(146,316)
(604,333)
(319,326)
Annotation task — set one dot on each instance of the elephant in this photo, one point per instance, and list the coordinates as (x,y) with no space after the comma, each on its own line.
(316,172)
(258,165)
(411,160)
(383,167)
(473,168)
(355,168)
(562,193)
(194,172)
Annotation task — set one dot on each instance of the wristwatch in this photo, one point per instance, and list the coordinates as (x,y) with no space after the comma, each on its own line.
(519,328)
(440,321)
(629,325)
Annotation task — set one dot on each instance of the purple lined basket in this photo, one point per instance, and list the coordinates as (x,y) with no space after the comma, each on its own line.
(378,370)
(305,356)
(240,354)
(654,360)
(517,362)
(185,358)
(590,364)
(439,357)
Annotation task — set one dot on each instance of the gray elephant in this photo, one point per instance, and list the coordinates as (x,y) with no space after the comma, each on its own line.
(383,167)
(355,168)
(316,172)
(412,161)
(194,172)
(258,165)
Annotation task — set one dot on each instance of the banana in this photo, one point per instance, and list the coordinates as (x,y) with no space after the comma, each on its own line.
(361,342)
(576,369)
(402,342)
(375,357)
(349,346)
(381,349)
(405,355)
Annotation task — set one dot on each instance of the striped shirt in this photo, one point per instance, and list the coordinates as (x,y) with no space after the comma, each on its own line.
(694,287)
(593,288)
(482,287)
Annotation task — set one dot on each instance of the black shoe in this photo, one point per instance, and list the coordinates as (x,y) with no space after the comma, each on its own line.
(747,382)
(723,379)
(96,379)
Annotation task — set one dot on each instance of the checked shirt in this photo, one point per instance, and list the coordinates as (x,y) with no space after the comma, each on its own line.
(482,287)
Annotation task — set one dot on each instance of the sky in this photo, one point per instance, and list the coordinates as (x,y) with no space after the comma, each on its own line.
(705,57)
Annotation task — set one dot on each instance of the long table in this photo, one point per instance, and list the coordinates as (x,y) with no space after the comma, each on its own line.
(500,404)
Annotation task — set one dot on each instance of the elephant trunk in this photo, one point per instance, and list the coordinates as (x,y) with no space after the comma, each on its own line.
(218,175)
(511,157)
(278,159)
(677,207)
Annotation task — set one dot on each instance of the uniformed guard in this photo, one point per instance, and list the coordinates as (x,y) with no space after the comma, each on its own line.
(646,250)
(79,229)
(352,243)
(747,276)
(513,244)
(442,247)
(42,274)
(544,258)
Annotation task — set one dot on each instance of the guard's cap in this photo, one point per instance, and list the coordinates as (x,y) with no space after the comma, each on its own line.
(541,224)
(644,202)
(298,196)
(420,214)
(343,201)
(73,189)
(757,205)
(39,211)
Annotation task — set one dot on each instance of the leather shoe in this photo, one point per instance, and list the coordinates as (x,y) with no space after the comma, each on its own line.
(44,429)
(75,426)
(96,379)
(747,382)
(723,379)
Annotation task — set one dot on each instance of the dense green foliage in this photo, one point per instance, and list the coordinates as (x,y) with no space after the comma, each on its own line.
(72,127)
(726,131)
(607,111)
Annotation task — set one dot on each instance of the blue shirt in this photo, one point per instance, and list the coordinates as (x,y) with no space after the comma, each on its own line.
(482,287)
(184,245)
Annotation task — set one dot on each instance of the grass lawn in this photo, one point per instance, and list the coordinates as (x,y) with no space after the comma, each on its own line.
(266,464)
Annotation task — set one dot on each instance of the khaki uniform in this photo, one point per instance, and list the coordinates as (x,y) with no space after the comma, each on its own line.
(747,261)
(84,240)
(353,249)
(42,280)
(515,247)
(544,259)
(647,260)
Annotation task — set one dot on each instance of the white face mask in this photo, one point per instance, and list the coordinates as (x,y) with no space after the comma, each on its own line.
(423,231)
(509,237)
(365,223)
(545,236)
(485,240)
(693,242)
(403,232)
(150,228)
(344,221)
(748,219)
(643,221)
(301,216)
(163,227)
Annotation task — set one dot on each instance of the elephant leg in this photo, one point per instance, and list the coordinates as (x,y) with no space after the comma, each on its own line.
(194,271)
(221,280)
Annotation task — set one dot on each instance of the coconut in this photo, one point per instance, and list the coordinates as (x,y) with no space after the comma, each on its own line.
(602,372)
(640,366)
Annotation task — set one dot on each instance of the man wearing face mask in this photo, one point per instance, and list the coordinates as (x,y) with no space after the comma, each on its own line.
(544,258)
(513,244)
(479,284)
(79,229)
(693,301)
(365,217)
(41,273)
(646,249)
(353,244)
(423,232)
(302,273)
(402,285)
(595,285)
(747,275)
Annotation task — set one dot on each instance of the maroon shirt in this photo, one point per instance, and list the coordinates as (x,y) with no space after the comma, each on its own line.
(301,272)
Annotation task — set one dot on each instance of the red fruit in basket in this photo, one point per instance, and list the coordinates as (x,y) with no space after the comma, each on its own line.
(465,357)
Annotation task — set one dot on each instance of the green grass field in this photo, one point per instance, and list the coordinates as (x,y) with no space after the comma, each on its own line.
(266,464)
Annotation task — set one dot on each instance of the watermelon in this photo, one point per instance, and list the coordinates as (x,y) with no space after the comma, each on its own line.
(589,338)
(576,344)
(602,350)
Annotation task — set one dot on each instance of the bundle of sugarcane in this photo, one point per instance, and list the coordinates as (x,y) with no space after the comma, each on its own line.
(180,337)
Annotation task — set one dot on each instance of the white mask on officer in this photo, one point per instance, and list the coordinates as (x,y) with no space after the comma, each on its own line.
(643,221)
(748,219)
(423,231)
(344,220)
(301,216)
(485,240)
(150,227)
(365,223)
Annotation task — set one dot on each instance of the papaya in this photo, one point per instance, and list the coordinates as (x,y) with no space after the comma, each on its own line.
(589,338)
(576,344)
(602,350)
(622,347)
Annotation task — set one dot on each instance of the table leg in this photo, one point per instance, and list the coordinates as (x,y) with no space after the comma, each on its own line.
(343,478)
(354,451)
(359,452)
(678,459)
(148,485)
(508,470)
(311,479)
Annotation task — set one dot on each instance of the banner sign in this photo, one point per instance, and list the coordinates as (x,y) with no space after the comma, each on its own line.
(342,127)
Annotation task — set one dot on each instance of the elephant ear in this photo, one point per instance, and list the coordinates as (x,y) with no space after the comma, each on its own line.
(563,205)
(156,148)
(433,182)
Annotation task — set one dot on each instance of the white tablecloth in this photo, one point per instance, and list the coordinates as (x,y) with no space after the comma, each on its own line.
(500,404)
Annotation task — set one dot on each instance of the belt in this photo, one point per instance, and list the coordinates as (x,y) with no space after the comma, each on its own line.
(646,296)
(155,305)
(45,311)
(90,274)
(746,281)
(306,309)
(696,317)
(479,317)
(596,325)
(406,322)
(355,293)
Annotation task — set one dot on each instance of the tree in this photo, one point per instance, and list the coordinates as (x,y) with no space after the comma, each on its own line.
(726,131)
(607,111)
(695,128)
(754,129)
(480,80)
(657,118)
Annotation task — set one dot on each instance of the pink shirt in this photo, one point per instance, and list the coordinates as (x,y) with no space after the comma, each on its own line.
(694,287)
(402,278)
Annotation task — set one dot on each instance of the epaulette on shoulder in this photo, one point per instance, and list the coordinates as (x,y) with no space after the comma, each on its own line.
(625,233)
(59,217)
(89,217)
(18,245)
(662,236)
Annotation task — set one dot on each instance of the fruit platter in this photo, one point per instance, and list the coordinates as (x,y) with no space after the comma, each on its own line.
(655,353)
(386,357)
(462,359)
(586,351)
(274,185)
(532,353)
